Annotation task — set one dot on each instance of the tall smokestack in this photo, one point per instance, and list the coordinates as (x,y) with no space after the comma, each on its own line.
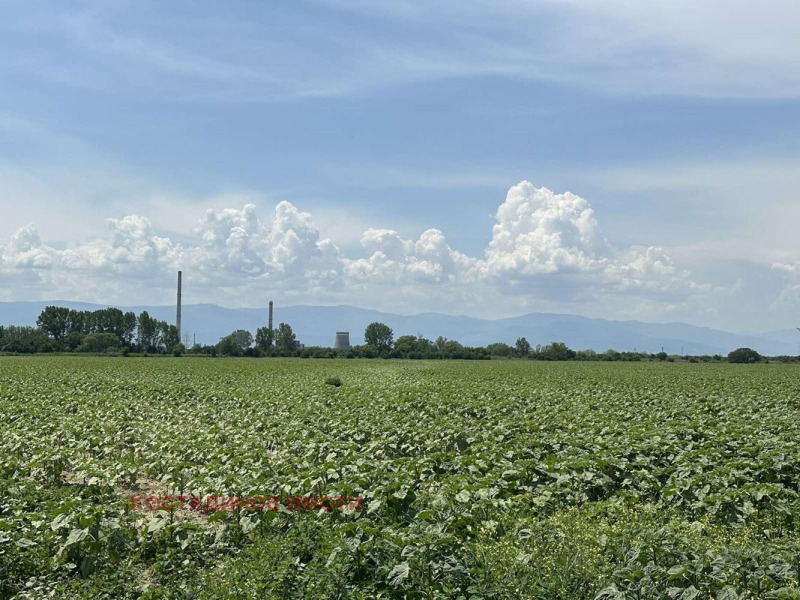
(178,315)
(270,314)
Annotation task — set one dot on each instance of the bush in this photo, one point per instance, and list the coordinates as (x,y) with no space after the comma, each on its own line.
(744,355)
(334,381)
(99,342)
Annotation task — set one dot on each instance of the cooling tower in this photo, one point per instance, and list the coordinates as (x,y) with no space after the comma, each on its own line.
(342,340)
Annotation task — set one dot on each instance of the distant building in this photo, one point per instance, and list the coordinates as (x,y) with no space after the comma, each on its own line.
(342,340)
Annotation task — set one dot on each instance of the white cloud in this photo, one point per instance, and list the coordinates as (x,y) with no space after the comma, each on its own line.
(554,240)
(131,249)
(286,251)
(230,241)
(544,245)
(650,269)
(26,251)
(538,231)
(428,260)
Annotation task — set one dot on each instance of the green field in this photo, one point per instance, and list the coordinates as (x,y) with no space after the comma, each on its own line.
(502,479)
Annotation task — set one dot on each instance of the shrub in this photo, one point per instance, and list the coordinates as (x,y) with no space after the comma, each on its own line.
(744,355)
(334,381)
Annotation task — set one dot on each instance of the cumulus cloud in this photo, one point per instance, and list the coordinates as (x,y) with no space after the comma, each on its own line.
(538,231)
(393,259)
(539,235)
(230,248)
(230,241)
(543,244)
(233,246)
(25,250)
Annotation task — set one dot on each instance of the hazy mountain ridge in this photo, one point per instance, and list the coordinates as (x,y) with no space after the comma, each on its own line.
(317,326)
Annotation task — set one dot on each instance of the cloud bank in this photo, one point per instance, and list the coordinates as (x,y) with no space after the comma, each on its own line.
(545,248)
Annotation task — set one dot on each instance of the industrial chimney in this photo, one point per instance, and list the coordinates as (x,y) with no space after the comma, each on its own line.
(270,315)
(342,340)
(178,315)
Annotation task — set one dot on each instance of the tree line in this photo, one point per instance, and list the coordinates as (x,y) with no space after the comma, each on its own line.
(60,329)
(379,342)
(111,330)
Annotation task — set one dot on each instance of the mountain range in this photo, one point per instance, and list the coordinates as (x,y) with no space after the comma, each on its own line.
(317,326)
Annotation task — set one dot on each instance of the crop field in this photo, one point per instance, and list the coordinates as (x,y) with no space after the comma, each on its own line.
(501,479)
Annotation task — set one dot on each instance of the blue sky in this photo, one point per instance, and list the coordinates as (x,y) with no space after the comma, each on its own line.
(328,136)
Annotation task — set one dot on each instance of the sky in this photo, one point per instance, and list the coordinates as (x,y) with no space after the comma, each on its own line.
(617,158)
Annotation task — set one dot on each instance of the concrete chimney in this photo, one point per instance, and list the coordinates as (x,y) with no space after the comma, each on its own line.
(178,314)
(270,315)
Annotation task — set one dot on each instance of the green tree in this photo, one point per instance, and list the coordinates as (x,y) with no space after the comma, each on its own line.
(128,328)
(285,340)
(55,322)
(236,343)
(265,338)
(425,347)
(99,342)
(523,347)
(405,345)
(169,340)
(557,351)
(146,332)
(77,324)
(454,349)
(379,336)
(744,355)
(74,340)
(109,320)
(500,349)
(27,340)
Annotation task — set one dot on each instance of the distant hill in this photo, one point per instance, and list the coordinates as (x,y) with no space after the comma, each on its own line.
(317,326)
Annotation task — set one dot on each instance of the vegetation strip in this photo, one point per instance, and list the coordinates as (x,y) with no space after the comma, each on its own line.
(501,479)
